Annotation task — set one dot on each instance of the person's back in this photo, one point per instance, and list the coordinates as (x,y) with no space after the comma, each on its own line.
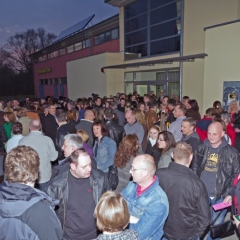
(189,212)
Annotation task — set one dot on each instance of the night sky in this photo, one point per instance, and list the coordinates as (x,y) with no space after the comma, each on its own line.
(53,15)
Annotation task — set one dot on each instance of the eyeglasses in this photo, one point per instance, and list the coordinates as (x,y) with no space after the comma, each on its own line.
(135,169)
(161,140)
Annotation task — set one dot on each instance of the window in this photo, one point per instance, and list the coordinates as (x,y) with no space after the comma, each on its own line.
(152,27)
(63,80)
(44,57)
(70,49)
(49,56)
(41,81)
(62,51)
(45,81)
(107,36)
(50,81)
(55,80)
(78,46)
(54,54)
(88,43)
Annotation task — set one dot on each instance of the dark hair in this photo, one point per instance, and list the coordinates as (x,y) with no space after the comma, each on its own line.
(169,140)
(153,104)
(191,121)
(194,104)
(186,97)
(171,101)
(108,114)
(72,115)
(17,128)
(182,107)
(104,129)
(210,112)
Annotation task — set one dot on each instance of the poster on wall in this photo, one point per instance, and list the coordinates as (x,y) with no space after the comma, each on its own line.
(231,91)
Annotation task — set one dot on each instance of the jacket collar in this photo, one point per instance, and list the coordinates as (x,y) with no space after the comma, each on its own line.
(178,167)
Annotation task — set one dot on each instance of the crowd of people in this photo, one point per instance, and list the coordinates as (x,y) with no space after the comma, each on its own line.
(172,166)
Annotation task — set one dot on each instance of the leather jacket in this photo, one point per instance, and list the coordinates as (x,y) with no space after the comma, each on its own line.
(57,188)
(116,132)
(3,138)
(228,167)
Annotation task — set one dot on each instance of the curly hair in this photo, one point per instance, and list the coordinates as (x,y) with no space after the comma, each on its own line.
(126,149)
(22,165)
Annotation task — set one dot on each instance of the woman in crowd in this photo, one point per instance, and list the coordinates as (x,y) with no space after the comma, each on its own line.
(233,109)
(152,144)
(81,133)
(9,118)
(166,142)
(125,154)
(113,217)
(17,130)
(140,117)
(229,128)
(193,110)
(217,107)
(72,117)
(104,148)
(141,106)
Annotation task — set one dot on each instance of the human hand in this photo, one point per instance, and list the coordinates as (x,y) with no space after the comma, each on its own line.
(236,221)
(228,199)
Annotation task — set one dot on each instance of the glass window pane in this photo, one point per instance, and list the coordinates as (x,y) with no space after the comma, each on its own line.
(62,51)
(142,89)
(50,81)
(55,54)
(141,50)
(135,8)
(107,36)
(136,37)
(88,43)
(173,89)
(165,46)
(70,48)
(173,75)
(78,46)
(145,76)
(164,30)
(160,90)
(129,77)
(161,76)
(49,56)
(99,39)
(41,81)
(136,23)
(63,80)
(45,81)
(55,80)
(44,57)
(163,14)
(158,3)
(128,88)
(114,33)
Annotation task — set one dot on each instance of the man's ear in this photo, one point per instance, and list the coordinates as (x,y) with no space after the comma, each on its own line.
(73,166)
(172,155)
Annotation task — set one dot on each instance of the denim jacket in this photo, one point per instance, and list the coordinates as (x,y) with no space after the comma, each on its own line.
(151,207)
(105,153)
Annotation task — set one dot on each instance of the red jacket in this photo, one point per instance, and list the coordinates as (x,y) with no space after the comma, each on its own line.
(231,133)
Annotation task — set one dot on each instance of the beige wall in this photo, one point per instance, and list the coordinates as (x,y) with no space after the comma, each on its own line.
(222,63)
(197,16)
(84,76)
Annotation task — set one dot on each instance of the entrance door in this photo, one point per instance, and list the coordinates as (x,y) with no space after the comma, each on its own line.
(173,89)
(142,89)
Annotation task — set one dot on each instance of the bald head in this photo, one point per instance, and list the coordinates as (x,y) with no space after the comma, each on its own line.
(35,125)
(146,161)
(89,115)
(215,134)
(130,117)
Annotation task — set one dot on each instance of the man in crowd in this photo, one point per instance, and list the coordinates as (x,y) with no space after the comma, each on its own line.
(189,213)
(26,213)
(49,124)
(170,106)
(45,148)
(185,100)
(119,115)
(217,164)
(151,115)
(116,132)
(147,202)
(121,105)
(86,125)
(189,135)
(175,127)
(133,126)
(78,188)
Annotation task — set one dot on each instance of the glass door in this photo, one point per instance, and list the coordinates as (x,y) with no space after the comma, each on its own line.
(142,89)
(173,89)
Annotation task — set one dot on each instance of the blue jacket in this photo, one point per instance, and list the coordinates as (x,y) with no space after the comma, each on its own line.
(151,207)
(106,150)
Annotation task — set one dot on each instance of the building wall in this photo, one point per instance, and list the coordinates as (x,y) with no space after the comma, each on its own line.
(197,16)
(222,64)
(85,76)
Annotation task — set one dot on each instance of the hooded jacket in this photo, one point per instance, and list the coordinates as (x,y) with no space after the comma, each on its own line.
(27,213)
(227,169)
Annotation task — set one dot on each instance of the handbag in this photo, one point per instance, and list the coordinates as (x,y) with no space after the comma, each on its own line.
(221,230)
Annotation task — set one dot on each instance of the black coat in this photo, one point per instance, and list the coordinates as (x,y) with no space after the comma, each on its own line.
(189,212)
(3,138)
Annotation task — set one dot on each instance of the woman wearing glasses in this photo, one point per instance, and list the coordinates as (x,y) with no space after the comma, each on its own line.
(166,142)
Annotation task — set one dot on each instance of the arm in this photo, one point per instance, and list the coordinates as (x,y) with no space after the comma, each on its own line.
(52,153)
(203,211)
(140,134)
(152,219)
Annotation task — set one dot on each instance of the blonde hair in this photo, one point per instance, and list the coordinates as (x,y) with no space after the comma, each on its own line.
(140,116)
(81,133)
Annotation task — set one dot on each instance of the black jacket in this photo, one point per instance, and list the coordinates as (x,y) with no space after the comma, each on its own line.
(193,140)
(228,166)
(116,132)
(49,126)
(3,138)
(154,151)
(27,213)
(57,188)
(189,212)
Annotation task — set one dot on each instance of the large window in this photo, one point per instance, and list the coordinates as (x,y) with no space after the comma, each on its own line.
(152,27)
(106,36)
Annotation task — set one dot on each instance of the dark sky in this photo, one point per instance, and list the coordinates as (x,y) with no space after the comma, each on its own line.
(52,15)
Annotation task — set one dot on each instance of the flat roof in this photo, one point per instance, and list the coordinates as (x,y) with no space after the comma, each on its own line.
(188,58)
